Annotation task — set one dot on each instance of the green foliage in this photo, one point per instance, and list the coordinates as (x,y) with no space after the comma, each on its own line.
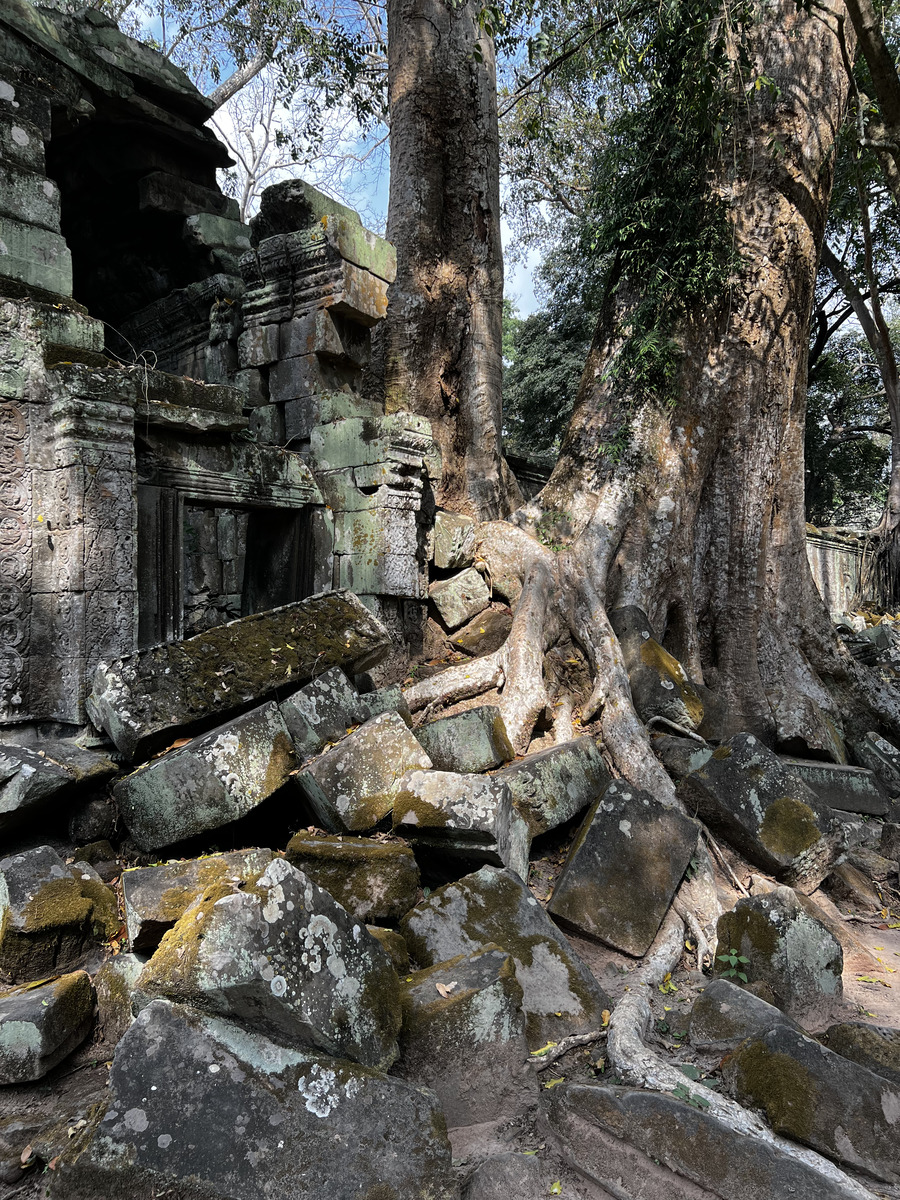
(735,961)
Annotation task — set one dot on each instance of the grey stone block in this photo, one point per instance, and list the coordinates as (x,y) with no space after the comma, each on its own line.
(321,711)
(552,786)
(28,197)
(44,918)
(374,881)
(454,539)
(470,741)
(39,1026)
(35,257)
(725,1015)
(21,142)
(460,598)
(877,753)
(870,1046)
(849,789)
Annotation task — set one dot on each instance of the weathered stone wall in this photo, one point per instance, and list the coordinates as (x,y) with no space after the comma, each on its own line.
(835,563)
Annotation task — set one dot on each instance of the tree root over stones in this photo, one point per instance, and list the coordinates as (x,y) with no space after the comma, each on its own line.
(636,1064)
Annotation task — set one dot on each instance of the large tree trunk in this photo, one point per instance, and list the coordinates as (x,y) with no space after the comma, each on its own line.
(441,340)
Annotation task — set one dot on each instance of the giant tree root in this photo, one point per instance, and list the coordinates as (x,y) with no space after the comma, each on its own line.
(638,1065)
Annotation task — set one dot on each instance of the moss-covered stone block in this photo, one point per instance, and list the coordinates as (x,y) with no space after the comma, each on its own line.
(559,994)
(725,1015)
(840,786)
(280,955)
(464,1036)
(45,921)
(114,984)
(374,881)
(871,1046)
(42,1023)
(552,786)
(470,741)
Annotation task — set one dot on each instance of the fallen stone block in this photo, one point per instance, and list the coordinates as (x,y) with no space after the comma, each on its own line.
(321,712)
(725,1015)
(788,948)
(92,821)
(114,984)
(352,786)
(393,945)
(847,883)
(45,921)
(140,700)
(383,700)
(871,1046)
(560,995)
(374,881)
(803,728)
(105,909)
(552,786)
(156,897)
(873,864)
(668,1147)
(39,1026)
(454,540)
(485,633)
(882,758)
(225,774)
(29,784)
(470,817)
(890,840)
(680,756)
(460,598)
(623,869)
(849,789)
(659,683)
(464,1037)
(821,1099)
(467,742)
(748,796)
(280,955)
(201,1107)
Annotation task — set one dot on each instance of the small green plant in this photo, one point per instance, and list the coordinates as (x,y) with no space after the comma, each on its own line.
(734,963)
(683,1092)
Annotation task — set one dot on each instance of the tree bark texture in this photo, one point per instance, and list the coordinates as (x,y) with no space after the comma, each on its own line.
(442,336)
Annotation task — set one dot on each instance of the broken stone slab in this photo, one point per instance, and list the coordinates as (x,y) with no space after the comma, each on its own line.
(840,786)
(224,775)
(467,742)
(725,1015)
(664,1146)
(281,956)
(882,758)
(485,633)
(464,816)
(560,995)
(39,1026)
(871,1046)
(393,945)
(624,868)
(34,779)
(141,699)
(875,865)
(803,728)
(821,1099)
(114,984)
(321,712)
(105,922)
(552,786)
(848,883)
(352,786)
(154,898)
(45,921)
(382,700)
(202,1107)
(748,796)
(680,756)
(454,540)
(460,598)
(659,683)
(788,948)
(502,1176)
(374,881)
(464,1037)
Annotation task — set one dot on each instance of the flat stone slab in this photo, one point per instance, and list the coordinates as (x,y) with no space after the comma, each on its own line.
(745,793)
(871,1046)
(45,921)
(849,789)
(203,1108)
(787,947)
(560,995)
(464,1037)
(321,711)
(140,700)
(212,781)
(725,1015)
(554,785)
(454,540)
(374,881)
(667,1147)
(821,1099)
(39,1026)
(882,758)
(281,956)
(28,784)
(352,786)
(623,869)
(460,598)
(156,897)
(464,816)
(467,742)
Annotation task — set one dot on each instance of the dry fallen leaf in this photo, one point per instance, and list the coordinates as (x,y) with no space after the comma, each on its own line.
(445,988)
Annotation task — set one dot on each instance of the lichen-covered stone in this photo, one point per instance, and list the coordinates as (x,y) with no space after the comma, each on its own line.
(485,633)
(139,700)
(40,1025)
(374,881)
(352,786)
(203,1108)
(659,683)
(664,1146)
(226,774)
(321,711)
(470,817)
(29,784)
(680,755)
(459,598)
(45,921)
(560,995)
(114,984)
(383,700)
(393,945)
(871,1046)
(503,1176)
(156,897)
(280,955)
(882,758)
(464,1037)
(788,948)
(623,868)
(847,883)
(821,1099)
(748,796)
(467,742)
(803,727)
(890,840)
(724,1015)
(849,789)
(454,540)
(552,786)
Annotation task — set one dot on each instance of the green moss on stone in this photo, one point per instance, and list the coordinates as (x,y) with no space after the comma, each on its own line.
(781,1085)
(58,903)
(789,827)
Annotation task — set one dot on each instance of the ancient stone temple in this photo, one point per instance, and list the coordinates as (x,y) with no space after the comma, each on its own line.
(185,433)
